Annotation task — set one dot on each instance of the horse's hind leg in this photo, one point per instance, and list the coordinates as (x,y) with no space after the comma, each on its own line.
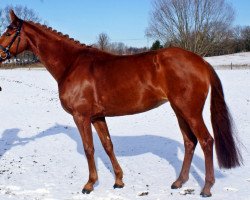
(193,116)
(190,142)
(206,141)
(102,130)
(189,105)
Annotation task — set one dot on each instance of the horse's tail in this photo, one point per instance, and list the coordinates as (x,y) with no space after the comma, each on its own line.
(228,154)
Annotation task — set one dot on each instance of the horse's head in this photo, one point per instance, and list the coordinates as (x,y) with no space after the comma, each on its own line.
(13,40)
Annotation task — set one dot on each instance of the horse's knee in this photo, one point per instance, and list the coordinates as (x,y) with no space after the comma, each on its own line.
(89,151)
(108,146)
(190,146)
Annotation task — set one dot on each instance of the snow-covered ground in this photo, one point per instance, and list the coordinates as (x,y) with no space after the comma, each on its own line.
(237,60)
(41,155)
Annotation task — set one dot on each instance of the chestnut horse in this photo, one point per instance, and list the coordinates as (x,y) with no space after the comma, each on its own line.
(94,84)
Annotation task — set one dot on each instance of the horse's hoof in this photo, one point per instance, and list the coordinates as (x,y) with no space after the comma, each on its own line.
(118,186)
(174,187)
(85,191)
(205,195)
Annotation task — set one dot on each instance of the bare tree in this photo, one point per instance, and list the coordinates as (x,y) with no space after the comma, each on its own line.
(196,25)
(1,20)
(245,35)
(23,12)
(103,42)
(118,48)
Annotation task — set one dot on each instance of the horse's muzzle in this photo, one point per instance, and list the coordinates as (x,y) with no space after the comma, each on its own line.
(4,53)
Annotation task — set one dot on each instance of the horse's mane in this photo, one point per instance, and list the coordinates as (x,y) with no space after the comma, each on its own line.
(65,36)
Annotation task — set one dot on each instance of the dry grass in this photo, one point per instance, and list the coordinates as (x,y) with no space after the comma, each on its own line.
(13,66)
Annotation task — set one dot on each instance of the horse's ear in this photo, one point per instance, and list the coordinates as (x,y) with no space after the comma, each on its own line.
(13,16)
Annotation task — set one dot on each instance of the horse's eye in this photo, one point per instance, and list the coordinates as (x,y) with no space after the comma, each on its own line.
(7,34)
(10,27)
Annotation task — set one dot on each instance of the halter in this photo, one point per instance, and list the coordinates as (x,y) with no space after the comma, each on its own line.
(5,54)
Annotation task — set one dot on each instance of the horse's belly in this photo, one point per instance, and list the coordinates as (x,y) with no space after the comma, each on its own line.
(133,103)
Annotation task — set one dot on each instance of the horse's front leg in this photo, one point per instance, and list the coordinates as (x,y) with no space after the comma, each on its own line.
(103,132)
(84,127)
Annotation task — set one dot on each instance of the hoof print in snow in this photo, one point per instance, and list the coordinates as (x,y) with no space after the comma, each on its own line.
(229,189)
(187,191)
(143,194)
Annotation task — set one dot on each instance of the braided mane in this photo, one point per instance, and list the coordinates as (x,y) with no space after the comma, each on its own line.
(65,36)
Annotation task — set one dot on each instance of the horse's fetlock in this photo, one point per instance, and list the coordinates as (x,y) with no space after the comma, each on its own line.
(210,181)
(93,179)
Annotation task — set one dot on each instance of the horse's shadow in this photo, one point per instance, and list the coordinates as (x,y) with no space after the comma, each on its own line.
(125,146)
(9,139)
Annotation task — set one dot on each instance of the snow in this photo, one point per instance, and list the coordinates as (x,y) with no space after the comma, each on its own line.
(42,156)
(237,59)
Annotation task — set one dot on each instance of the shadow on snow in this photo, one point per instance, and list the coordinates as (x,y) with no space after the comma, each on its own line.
(125,146)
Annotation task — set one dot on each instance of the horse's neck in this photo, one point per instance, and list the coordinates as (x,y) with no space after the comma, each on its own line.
(54,52)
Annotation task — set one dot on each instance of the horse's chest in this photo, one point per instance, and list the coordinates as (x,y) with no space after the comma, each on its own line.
(79,99)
